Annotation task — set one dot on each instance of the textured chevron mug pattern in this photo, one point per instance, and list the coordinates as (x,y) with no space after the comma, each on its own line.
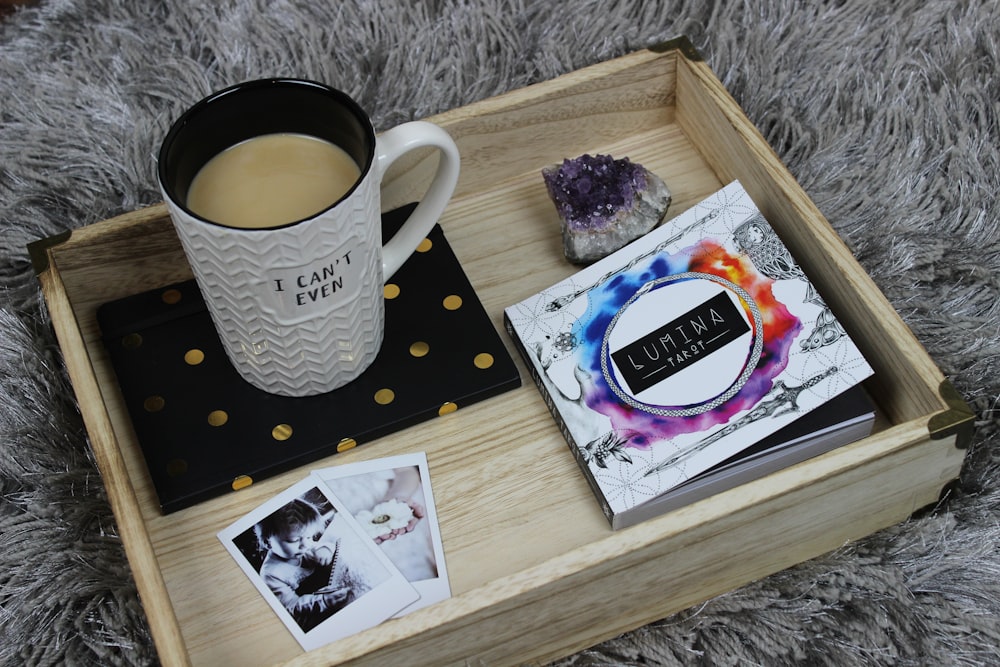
(299,307)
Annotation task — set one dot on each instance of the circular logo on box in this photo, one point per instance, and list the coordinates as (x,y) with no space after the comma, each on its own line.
(683,344)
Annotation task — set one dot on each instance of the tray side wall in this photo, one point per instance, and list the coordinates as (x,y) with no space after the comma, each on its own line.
(131,526)
(759,529)
(906,381)
(541,124)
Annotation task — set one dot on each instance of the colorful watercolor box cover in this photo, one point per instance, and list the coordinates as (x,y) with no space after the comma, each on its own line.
(681,349)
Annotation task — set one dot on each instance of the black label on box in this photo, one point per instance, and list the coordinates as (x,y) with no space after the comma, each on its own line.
(680,343)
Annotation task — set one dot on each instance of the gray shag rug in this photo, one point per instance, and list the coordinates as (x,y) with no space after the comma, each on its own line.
(886,112)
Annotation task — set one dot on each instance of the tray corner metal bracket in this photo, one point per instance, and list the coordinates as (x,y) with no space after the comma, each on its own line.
(957,420)
(39,250)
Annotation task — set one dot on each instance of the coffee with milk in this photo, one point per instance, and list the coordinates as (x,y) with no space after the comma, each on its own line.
(272,180)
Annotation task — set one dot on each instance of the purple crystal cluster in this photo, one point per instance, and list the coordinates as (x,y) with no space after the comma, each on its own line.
(604,203)
(589,189)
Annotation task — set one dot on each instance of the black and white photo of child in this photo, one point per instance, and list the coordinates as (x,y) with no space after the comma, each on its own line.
(307,563)
(312,561)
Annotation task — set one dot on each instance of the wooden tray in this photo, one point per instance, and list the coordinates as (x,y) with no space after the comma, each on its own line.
(535,569)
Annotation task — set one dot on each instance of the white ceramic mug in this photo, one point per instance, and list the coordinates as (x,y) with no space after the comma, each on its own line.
(299,307)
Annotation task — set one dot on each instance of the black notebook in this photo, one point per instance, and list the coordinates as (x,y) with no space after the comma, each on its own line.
(205,431)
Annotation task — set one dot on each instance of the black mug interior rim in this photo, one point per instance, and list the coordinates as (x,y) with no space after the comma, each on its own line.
(254,108)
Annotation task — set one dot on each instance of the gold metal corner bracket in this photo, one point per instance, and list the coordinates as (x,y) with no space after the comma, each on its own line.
(957,420)
(39,250)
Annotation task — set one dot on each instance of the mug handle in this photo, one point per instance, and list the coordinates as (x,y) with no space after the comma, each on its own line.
(392,144)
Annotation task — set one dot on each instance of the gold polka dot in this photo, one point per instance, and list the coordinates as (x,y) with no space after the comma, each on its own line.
(453,302)
(154,403)
(132,341)
(420,349)
(385,396)
(391,290)
(176,467)
(218,417)
(194,357)
(171,296)
(483,360)
(281,432)
(345,444)
(425,245)
(242,482)
(447,408)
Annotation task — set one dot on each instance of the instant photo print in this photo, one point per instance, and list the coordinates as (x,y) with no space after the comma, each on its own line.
(392,501)
(316,568)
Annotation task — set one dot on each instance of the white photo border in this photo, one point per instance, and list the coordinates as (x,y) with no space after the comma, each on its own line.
(432,589)
(381,602)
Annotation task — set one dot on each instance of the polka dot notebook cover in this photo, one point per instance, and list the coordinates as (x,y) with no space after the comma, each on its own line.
(204,431)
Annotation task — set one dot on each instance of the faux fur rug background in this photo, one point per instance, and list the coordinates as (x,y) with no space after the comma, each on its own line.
(887,113)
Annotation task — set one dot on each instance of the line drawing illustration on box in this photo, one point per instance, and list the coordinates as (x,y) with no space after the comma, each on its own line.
(676,352)
(759,241)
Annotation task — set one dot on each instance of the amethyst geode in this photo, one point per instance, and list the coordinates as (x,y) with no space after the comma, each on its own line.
(604,203)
